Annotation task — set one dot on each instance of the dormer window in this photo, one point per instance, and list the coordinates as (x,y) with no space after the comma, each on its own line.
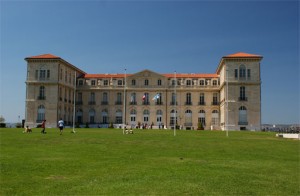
(105,82)
(188,82)
(201,82)
(120,82)
(93,83)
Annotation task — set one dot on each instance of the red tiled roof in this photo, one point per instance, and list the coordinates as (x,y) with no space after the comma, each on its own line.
(44,56)
(242,55)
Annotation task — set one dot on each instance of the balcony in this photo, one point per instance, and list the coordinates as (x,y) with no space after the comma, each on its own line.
(92,103)
(79,103)
(215,103)
(242,123)
(118,103)
(158,103)
(132,103)
(146,103)
(188,103)
(41,97)
(243,99)
(201,103)
(104,103)
(173,103)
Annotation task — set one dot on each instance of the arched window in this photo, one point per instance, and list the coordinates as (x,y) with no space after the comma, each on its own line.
(104,114)
(243,116)
(92,116)
(173,117)
(42,93)
(146,114)
(119,115)
(201,117)
(79,116)
(159,114)
(242,72)
(41,113)
(188,118)
(132,117)
(215,117)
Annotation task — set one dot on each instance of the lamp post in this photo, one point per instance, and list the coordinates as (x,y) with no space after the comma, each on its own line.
(227,113)
(124,100)
(175,98)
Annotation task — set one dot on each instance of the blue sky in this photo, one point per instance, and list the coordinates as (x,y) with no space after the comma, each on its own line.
(163,36)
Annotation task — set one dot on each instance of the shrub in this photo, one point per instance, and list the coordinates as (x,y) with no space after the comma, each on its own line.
(2,125)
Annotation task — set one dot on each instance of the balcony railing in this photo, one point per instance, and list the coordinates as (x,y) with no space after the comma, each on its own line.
(173,103)
(104,103)
(243,123)
(243,99)
(92,102)
(188,103)
(215,103)
(158,103)
(201,103)
(41,98)
(132,103)
(146,103)
(118,103)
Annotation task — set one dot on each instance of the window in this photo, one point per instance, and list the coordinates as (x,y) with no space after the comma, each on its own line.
(66,76)
(105,82)
(249,73)
(133,99)
(236,74)
(188,118)
(243,116)
(158,99)
(215,118)
(201,117)
(93,82)
(146,99)
(214,82)
(42,75)
(146,82)
(79,98)
(132,116)
(159,82)
(201,99)
(79,116)
(146,114)
(243,94)
(215,99)
(188,99)
(104,114)
(48,74)
(173,117)
(119,118)
(42,93)
(242,72)
(92,98)
(104,99)
(120,82)
(188,83)
(201,82)
(119,99)
(173,102)
(41,113)
(92,116)
(133,82)
(159,117)
(80,82)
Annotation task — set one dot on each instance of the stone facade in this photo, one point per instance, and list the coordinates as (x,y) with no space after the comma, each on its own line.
(150,98)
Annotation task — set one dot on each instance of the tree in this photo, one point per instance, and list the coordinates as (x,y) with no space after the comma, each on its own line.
(2,119)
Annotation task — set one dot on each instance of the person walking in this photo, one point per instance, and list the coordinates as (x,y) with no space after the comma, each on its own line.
(43,127)
(61,125)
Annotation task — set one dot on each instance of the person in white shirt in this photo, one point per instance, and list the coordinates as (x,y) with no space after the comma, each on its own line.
(61,125)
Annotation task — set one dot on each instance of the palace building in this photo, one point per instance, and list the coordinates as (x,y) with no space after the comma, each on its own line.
(229,99)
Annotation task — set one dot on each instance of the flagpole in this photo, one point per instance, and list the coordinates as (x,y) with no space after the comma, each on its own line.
(175,103)
(74,99)
(226,126)
(124,119)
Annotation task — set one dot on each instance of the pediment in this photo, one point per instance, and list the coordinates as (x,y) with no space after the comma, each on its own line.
(147,74)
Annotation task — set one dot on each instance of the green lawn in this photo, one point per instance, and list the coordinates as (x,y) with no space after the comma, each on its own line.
(149,162)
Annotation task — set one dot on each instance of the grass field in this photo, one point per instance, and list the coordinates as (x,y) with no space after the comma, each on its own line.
(149,162)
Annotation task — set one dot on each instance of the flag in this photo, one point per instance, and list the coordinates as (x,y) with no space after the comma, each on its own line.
(144,97)
(156,97)
(132,98)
